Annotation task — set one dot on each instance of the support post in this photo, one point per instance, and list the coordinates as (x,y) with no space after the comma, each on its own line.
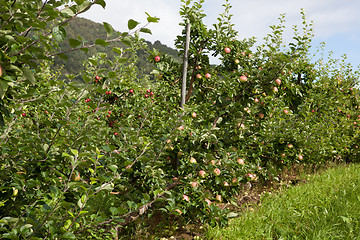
(185,66)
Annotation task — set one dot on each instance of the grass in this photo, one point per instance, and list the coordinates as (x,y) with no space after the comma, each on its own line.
(327,207)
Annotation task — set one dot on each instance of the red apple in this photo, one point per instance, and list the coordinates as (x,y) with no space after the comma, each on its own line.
(23,114)
(217,171)
(207,75)
(278,81)
(256,100)
(193,160)
(194,184)
(181,127)
(208,202)
(202,173)
(227,50)
(275,90)
(198,76)
(243,79)
(261,115)
(219,198)
(251,176)
(131,90)
(157,59)
(241,161)
(186,198)
(193,114)
(300,157)
(286,111)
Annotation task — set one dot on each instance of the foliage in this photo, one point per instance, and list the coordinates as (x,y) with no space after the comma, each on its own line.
(87,160)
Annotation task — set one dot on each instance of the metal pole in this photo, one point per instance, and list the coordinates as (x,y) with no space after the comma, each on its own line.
(186,52)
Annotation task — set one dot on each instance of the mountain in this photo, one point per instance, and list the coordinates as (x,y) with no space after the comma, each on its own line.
(89,31)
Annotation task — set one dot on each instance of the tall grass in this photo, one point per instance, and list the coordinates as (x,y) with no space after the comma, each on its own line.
(327,207)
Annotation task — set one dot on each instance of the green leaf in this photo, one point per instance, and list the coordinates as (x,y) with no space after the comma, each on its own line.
(79,2)
(108,28)
(68,235)
(29,75)
(101,42)
(74,42)
(152,19)
(59,33)
(146,30)
(132,24)
(63,56)
(101,3)
(127,41)
(113,168)
(118,50)
(74,152)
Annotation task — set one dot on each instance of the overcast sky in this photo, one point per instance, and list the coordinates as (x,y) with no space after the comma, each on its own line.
(336,22)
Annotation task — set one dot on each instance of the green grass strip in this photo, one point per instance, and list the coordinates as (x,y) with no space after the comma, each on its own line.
(327,207)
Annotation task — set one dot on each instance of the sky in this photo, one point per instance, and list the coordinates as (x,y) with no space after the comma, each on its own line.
(336,22)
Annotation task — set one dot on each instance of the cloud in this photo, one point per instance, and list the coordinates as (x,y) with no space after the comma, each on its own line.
(332,18)
(118,12)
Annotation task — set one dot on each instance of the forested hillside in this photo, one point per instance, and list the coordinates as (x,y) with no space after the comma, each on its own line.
(90,31)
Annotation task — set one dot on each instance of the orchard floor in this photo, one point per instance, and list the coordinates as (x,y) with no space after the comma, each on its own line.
(248,201)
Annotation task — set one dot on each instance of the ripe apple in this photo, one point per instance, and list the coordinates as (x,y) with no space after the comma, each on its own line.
(300,157)
(250,175)
(131,90)
(237,61)
(193,114)
(198,76)
(226,184)
(207,75)
(157,59)
(217,171)
(227,50)
(181,127)
(148,91)
(146,95)
(202,173)
(243,79)
(186,198)
(275,90)
(97,78)
(208,202)
(23,114)
(286,111)
(261,115)
(256,100)
(290,145)
(219,198)
(193,160)
(194,184)
(278,81)
(241,161)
